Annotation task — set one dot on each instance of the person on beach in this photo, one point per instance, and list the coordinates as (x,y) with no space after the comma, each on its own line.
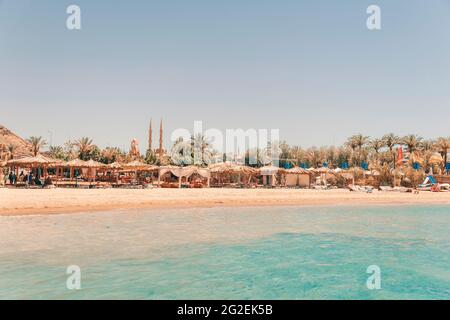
(30,178)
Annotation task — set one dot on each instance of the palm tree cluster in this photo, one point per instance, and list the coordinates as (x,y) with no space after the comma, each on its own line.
(373,152)
(85,149)
(358,151)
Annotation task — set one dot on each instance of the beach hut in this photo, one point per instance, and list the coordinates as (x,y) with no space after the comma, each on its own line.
(270,174)
(135,166)
(88,168)
(185,173)
(140,170)
(224,172)
(322,175)
(75,165)
(38,162)
(298,177)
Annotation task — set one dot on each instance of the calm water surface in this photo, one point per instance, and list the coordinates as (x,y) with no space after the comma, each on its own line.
(229,253)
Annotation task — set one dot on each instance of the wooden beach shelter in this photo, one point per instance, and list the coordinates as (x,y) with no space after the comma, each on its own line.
(137,167)
(269,174)
(298,177)
(225,170)
(75,164)
(89,168)
(93,167)
(244,171)
(114,169)
(37,162)
(323,174)
(219,172)
(185,172)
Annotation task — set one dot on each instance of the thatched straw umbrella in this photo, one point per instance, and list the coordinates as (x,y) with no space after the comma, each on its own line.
(81,164)
(38,161)
(221,167)
(115,166)
(185,172)
(138,166)
(227,168)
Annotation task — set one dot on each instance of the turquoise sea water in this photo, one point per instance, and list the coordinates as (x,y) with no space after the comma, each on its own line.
(229,253)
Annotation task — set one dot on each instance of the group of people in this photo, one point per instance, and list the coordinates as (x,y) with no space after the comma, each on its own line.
(28,178)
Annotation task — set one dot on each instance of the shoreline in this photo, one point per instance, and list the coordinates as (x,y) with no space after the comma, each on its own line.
(27,202)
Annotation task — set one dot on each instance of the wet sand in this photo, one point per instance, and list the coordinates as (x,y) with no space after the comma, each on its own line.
(55,201)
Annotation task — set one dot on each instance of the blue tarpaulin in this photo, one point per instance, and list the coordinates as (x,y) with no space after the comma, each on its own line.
(287,165)
(344,165)
(365,166)
(416,166)
(304,166)
(447,167)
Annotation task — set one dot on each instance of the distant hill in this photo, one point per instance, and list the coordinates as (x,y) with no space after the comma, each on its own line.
(7,138)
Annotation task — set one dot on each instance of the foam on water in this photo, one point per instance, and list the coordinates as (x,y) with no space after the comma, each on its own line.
(229,253)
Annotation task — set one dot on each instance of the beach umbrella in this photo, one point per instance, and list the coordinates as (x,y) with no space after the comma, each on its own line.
(297,170)
(139,166)
(94,164)
(270,170)
(77,163)
(245,170)
(32,161)
(115,166)
(220,167)
(38,161)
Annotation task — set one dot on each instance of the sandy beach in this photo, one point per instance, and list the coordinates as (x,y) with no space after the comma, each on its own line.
(55,201)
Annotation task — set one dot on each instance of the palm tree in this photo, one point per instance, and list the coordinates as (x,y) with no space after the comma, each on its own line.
(428,145)
(110,155)
(201,150)
(443,147)
(314,157)
(36,144)
(412,141)
(85,146)
(358,142)
(390,140)
(376,145)
(57,152)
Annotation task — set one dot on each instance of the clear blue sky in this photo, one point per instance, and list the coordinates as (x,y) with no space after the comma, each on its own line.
(309,68)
